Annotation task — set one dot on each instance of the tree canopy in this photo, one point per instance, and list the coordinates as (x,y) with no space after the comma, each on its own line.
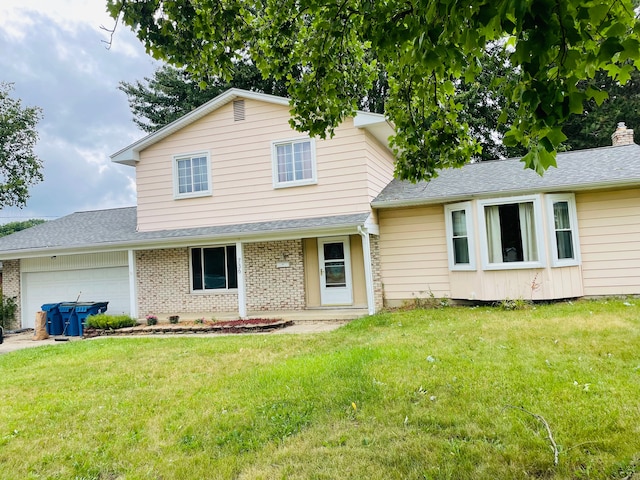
(173,92)
(12,227)
(329,54)
(20,168)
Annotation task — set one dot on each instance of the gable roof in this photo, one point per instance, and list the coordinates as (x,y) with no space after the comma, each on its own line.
(115,229)
(595,168)
(375,123)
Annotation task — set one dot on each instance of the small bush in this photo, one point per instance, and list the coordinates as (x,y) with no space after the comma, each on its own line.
(109,322)
(174,319)
(152,320)
(8,307)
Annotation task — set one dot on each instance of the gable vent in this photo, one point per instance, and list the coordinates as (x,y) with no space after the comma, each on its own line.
(238,110)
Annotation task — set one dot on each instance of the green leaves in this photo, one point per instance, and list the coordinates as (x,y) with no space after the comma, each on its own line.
(20,168)
(330,55)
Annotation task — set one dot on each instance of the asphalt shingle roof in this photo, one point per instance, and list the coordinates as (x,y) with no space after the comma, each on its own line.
(117,227)
(580,169)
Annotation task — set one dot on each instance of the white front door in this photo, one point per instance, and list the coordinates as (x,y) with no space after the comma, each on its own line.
(335,271)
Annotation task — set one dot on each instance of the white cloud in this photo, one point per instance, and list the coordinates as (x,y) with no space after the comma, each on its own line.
(52,51)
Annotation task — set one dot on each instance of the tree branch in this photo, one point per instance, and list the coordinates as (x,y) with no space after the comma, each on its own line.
(541,419)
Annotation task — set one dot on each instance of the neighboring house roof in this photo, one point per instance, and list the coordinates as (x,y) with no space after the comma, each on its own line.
(577,170)
(116,229)
(375,123)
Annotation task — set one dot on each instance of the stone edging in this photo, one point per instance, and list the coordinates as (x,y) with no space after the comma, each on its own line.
(187,329)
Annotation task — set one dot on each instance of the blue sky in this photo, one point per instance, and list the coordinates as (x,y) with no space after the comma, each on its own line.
(54,53)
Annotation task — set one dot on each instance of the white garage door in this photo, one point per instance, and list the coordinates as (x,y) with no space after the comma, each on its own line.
(106,284)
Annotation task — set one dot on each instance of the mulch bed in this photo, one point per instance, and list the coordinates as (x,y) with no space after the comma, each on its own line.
(252,325)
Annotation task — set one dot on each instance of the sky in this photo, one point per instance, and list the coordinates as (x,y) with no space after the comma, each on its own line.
(54,52)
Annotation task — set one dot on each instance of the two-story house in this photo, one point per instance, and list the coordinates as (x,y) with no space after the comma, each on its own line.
(236,212)
(239,215)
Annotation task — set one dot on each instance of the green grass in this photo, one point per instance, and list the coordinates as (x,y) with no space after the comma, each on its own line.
(417,394)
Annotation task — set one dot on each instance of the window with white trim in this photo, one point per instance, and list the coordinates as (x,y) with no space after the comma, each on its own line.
(214,268)
(192,175)
(460,236)
(294,162)
(562,222)
(511,233)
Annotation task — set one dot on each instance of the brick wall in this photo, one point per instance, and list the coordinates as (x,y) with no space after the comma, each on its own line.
(163,286)
(378,291)
(11,286)
(163,281)
(270,287)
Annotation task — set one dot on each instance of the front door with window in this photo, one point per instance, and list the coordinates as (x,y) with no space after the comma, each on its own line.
(335,271)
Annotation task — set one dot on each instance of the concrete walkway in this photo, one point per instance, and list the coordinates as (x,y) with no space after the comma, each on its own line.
(13,342)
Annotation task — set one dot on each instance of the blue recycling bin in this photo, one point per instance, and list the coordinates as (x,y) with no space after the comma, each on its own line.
(55,326)
(85,309)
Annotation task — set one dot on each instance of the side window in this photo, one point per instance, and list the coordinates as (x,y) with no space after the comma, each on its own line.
(294,163)
(192,176)
(460,233)
(562,225)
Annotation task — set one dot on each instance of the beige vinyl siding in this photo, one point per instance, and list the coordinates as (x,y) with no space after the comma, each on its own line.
(609,228)
(525,284)
(241,172)
(312,272)
(413,253)
(380,166)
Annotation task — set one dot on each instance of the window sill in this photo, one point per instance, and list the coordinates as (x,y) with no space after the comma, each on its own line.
(514,266)
(183,196)
(300,183)
(214,291)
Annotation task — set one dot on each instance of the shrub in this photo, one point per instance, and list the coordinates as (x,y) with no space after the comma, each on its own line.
(151,319)
(8,309)
(109,322)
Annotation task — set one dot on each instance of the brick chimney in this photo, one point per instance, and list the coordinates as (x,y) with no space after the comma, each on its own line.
(622,135)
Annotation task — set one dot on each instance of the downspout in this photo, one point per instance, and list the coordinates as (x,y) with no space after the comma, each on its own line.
(133,290)
(368,269)
(242,291)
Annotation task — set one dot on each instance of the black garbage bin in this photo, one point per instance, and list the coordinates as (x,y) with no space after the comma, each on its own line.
(55,326)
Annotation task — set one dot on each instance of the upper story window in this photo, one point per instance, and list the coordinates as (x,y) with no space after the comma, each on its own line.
(192,175)
(294,163)
(460,234)
(214,268)
(564,245)
(511,233)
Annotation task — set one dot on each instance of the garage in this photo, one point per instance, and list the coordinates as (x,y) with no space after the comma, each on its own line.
(102,277)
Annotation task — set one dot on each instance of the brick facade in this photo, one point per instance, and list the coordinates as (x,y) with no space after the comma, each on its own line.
(270,287)
(378,288)
(11,286)
(163,286)
(163,281)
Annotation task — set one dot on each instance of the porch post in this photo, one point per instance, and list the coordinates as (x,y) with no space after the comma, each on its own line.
(242,292)
(133,288)
(368,269)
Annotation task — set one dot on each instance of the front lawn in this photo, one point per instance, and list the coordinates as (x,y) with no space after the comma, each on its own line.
(459,393)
